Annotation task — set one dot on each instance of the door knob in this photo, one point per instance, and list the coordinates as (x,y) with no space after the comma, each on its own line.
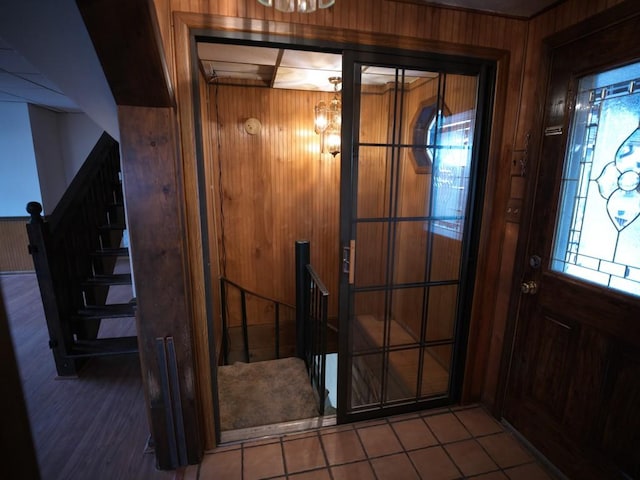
(529,288)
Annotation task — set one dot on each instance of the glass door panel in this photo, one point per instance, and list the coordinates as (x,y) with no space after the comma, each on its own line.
(411,173)
(597,236)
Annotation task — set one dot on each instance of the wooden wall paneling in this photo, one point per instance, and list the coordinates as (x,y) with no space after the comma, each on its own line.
(499,330)
(277,188)
(203,339)
(153,182)
(14,255)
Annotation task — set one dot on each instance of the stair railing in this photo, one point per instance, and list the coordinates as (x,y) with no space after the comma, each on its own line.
(312,304)
(61,245)
(278,307)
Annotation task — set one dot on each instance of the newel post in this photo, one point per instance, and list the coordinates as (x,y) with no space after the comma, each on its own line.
(39,248)
(303,258)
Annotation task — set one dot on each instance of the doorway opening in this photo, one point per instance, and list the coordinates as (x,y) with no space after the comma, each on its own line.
(269,183)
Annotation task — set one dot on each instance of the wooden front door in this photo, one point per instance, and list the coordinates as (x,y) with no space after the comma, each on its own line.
(574,383)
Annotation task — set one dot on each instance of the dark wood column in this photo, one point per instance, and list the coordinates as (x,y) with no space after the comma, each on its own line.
(126,38)
(151,185)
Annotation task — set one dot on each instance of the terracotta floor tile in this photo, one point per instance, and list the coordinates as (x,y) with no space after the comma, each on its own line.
(379,440)
(447,428)
(262,461)
(394,467)
(505,450)
(470,458)
(414,434)
(531,471)
(296,436)
(337,428)
(303,454)
(313,475)
(490,476)
(433,463)
(478,422)
(225,448)
(371,423)
(404,416)
(261,441)
(342,447)
(353,471)
(227,464)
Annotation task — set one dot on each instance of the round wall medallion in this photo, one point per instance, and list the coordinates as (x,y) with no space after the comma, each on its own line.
(252,126)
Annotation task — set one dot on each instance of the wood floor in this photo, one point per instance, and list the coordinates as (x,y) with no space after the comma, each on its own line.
(90,427)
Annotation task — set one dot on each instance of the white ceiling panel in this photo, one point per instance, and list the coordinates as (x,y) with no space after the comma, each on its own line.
(237,53)
(11,61)
(311,60)
(305,79)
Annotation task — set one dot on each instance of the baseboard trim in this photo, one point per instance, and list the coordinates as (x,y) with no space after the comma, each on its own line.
(550,467)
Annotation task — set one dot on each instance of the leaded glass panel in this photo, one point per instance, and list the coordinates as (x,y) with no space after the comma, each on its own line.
(597,234)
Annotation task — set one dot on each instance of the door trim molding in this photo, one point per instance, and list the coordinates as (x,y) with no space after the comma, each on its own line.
(189,25)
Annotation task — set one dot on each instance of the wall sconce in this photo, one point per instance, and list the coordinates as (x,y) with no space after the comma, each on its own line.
(302,6)
(328,120)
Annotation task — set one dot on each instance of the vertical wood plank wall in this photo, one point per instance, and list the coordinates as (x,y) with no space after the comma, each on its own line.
(410,26)
(277,187)
(14,256)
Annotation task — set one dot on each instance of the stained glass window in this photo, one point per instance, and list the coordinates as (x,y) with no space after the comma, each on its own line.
(597,234)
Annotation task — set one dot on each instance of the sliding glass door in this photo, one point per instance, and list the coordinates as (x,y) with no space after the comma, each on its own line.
(413,157)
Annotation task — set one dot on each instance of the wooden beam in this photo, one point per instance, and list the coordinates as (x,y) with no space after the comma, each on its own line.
(151,174)
(126,37)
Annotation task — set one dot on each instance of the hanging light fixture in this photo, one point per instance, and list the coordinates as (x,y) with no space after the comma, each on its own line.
(328,120)
(302,6)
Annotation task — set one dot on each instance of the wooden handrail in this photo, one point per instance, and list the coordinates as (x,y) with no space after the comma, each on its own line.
(105,149)
(224,283)
(316,321)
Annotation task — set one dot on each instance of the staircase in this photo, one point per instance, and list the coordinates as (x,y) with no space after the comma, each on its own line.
(82,265)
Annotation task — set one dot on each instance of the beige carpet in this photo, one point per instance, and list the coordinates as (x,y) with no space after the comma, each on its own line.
(264,393)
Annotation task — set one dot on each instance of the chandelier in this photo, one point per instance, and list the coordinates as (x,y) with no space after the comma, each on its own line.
(328,120)
(302,6)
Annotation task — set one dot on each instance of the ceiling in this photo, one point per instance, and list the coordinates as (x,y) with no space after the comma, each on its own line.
(514,8)
(287,69)
(21,81)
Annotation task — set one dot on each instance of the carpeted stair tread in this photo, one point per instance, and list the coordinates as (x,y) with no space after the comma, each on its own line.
(265,393)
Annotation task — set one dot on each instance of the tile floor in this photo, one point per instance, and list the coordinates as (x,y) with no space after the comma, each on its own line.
(447,444)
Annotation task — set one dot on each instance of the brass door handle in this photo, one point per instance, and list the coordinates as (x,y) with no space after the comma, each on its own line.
(529,288)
